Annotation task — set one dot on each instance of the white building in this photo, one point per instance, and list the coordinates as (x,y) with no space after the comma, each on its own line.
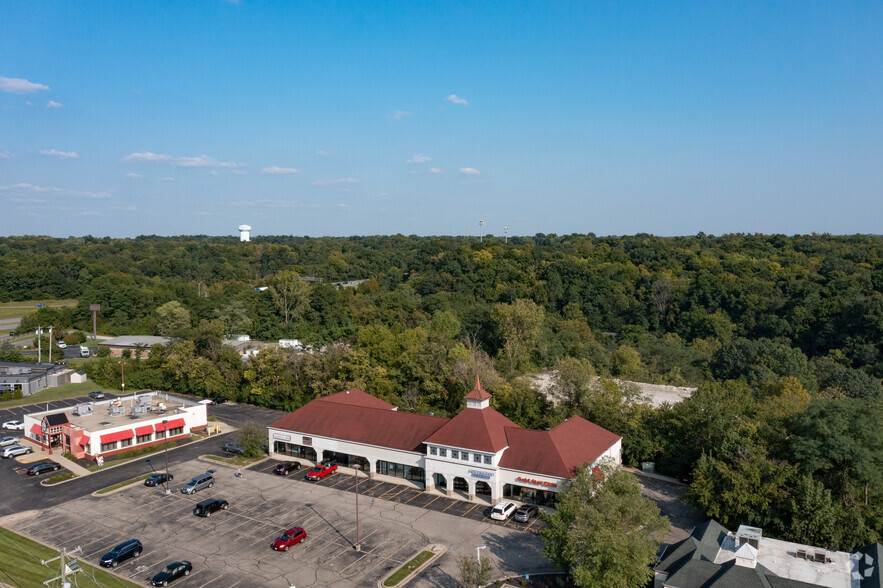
(113,426)
(244,232)
(479,453)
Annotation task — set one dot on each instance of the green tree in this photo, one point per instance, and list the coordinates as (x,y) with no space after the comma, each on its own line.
(252,437)
(291,295)
(474,573)
(603,532)
(519,325)
(173,320)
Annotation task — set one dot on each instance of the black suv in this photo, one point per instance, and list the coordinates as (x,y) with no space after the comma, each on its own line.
(207,507)
(122,552)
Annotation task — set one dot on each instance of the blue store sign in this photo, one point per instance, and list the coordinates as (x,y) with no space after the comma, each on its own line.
(481,474)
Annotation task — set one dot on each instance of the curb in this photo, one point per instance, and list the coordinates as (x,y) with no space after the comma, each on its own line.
(68,479)
(437,551)
(132,482)
(230,465)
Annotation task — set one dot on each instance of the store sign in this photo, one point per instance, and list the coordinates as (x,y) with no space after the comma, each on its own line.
(281,437)
(308,441)
(481,474)
(538,482)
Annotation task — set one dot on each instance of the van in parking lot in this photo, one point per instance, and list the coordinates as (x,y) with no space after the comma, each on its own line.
(197,483)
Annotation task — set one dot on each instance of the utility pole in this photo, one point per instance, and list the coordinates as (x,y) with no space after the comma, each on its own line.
(123,376)
(358,545)
(506,230)
(39,344)
(66,568)
(166,433)
(50,344)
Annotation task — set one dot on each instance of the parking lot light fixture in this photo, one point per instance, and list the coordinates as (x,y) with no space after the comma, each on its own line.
(356,468)
(165,424)
(478,554)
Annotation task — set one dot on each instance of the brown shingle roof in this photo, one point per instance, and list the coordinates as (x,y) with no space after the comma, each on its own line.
(481,429)
(557,452)
(352,418)
(477,393)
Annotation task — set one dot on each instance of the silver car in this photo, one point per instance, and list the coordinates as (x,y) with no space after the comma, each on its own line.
(206,480)
(4,441)
(14,450)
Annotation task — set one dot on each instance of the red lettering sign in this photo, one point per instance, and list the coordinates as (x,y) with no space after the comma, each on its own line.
(538,482)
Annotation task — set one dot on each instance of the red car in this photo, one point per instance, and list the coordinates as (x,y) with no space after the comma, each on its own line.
(321,471)
(290,537)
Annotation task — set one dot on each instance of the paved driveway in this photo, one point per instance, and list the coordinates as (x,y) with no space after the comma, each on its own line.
(232,548)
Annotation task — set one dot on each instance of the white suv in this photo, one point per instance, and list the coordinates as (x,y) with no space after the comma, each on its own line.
(503,510)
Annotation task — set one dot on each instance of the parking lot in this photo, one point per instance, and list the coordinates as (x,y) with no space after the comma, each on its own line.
(232,548)
(17,413)
(406,494)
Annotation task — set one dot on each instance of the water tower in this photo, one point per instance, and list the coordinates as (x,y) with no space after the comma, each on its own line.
(243,232)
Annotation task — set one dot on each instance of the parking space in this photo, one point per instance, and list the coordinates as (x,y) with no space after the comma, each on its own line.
(232,548)
(406,494)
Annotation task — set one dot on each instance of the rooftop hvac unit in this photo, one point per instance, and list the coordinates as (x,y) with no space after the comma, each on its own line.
(116,410)
(83,409)
(138,410)
(144,400)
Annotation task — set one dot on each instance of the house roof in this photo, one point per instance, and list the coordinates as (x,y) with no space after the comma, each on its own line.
(361,418)
(477,392)
(481,429)
(134,341)
(558,452)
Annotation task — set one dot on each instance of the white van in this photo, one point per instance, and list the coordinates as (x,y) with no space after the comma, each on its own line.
(84,351)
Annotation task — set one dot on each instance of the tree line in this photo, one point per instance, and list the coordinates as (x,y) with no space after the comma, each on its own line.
(782,336)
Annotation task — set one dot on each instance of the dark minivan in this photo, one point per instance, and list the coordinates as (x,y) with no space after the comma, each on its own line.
(120,553)
(207,507)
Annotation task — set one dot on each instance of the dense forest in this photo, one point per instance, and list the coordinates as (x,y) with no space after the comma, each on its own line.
(782,335)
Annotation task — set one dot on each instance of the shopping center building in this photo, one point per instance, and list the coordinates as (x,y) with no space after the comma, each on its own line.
(113,426)
(479,454)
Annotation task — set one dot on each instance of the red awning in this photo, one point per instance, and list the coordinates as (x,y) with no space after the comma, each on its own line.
(173,424)
(144,430)
(111,437)
(36,429)
(84,440)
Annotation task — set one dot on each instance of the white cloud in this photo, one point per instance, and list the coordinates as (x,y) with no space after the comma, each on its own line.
(436,170)
(469,171)
(5,155)
(270,203)
(19,86)
(200,161)
(400,114)
(23,188)
(89,213)
(419,158)
(331,182)
(133,176)
(322,152)
(123,208)
(457,100)
(60,154)
(279,171)
(54,104)
(26,200)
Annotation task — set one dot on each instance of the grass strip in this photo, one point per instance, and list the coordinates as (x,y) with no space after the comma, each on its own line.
(238,460)
(57,393)
(122,484)
(131,455)
(404,571)
(20,565)
(60,477)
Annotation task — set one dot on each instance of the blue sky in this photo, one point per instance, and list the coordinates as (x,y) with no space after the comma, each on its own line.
(360,118)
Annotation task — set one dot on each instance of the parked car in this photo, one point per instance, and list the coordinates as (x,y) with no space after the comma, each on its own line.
(61,345)
(219,400)
(233,448)
(14,450)
(290,537)
(11,333)
(4,441)
(14,425)
(197,483)
(526,513)
(120,553)
(321,471)
(42,468)
(503,510)
(158,479)
(283,469)
(207,507)
(171,572)
(96,394)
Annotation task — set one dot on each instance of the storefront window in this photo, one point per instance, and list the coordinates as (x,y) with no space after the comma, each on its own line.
(529,495)
(144,438)
(108,446)
(293,450)
(397,470)
(176,431)
(476,458)
(126,442)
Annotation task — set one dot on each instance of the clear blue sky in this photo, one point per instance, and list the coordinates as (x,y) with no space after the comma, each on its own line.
(334,118)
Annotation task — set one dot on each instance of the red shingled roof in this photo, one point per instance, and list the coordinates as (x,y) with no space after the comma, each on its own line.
(477,393)
(481,429)
(350,418)
(557,452)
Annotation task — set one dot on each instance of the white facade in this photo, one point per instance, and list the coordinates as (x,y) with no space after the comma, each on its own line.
(244,231)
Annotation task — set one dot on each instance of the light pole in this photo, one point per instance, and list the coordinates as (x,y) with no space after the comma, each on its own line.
(123,385)
(478,554)
(165,424)
(50,344)
(39,344)
(506,230)
(481,231)
(356,468)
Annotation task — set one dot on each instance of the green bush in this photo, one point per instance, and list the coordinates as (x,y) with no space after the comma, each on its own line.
(17,394)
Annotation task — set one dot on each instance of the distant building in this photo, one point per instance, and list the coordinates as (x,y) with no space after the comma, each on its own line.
(33,377)
(133,343)
(715,556)
(244,232)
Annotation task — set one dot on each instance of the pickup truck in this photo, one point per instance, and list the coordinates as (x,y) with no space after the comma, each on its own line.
(321,471)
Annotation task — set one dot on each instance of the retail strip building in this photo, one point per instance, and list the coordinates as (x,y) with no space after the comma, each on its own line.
(479,453)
